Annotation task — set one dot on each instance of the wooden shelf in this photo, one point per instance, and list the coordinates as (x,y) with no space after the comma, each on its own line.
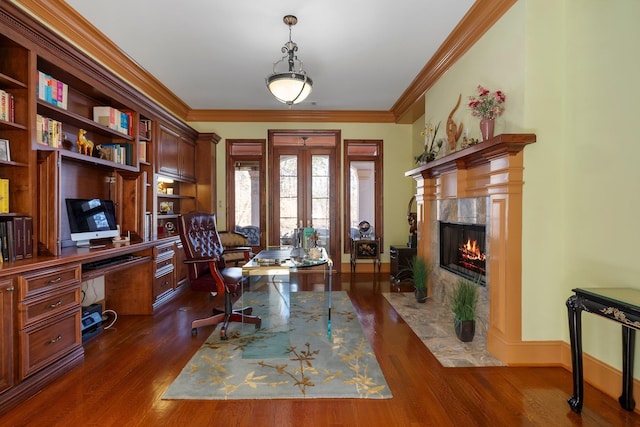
(69,117)
(510,143)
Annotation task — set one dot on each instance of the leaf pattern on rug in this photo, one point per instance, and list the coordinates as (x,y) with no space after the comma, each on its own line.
(344,366)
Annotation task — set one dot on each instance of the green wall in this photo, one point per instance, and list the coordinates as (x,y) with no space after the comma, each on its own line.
(397,159)
(569,70)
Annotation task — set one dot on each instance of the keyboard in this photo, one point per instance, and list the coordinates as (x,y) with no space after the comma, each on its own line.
(95,265)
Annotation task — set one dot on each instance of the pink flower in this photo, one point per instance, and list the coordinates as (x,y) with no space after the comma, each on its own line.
(487,105)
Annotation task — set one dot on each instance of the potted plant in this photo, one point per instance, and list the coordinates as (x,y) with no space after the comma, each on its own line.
(464,300)
(431,146)
(420,273)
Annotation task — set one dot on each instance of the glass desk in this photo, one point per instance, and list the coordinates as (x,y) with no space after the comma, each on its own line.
(274,261)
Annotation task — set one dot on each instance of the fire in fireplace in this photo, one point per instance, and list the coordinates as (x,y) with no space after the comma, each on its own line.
(462,250)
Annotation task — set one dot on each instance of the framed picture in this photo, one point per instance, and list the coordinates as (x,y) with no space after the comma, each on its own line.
(4,150)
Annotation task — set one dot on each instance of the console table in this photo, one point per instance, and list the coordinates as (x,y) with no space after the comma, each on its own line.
(618,304)
(365,249)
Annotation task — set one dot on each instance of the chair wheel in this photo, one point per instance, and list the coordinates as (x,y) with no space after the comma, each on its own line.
(224,337)
(194,332)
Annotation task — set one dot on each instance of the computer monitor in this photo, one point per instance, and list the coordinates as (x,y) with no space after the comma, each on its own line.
(91,219)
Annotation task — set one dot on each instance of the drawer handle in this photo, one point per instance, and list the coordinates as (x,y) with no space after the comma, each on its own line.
(55,340)
(166,283)
(56,280)
(54,305)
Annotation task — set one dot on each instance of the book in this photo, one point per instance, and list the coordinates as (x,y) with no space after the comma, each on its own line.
(4,195)
(11,254)
(18,237)
(4,247)
(106,116)
(28,237)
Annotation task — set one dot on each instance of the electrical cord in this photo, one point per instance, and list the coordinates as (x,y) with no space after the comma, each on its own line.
(105,316)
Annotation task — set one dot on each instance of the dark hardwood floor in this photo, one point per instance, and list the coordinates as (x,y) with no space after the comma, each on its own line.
(128,367)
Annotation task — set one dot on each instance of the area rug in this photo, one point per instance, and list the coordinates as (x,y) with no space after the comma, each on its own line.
(432,322)
(289,357)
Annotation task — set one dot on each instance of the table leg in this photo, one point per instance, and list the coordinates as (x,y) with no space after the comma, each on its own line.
(628,349)
(575,332)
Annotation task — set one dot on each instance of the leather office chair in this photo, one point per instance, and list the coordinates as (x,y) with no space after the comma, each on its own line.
(204,256)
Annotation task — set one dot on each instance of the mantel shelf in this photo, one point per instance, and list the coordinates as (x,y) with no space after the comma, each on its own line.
(508,143)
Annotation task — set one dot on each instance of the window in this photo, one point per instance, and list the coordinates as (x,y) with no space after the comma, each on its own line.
(246,189)
(362,187)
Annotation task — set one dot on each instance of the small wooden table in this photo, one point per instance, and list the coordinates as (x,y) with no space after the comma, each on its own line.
(365,249)
(618,304)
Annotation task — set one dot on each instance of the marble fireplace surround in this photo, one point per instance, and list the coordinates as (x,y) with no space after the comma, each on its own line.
(487,178)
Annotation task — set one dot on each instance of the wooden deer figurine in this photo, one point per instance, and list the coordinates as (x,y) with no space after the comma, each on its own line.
(84,145)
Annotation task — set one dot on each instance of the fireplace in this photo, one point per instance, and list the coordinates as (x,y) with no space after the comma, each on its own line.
(463,250)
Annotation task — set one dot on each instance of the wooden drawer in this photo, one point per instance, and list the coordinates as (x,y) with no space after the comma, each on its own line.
(44,280)
(48,305)
(164,250)
(163,283)
(162,263)
(45,342)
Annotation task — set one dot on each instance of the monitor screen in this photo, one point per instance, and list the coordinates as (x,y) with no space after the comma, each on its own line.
(91,219)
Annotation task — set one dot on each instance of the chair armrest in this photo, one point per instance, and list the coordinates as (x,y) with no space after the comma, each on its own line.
(200,260)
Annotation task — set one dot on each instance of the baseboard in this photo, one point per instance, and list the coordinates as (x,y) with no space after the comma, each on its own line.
(596,373)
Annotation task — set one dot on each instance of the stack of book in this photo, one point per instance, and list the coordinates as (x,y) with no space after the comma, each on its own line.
(113,119)
(7,107)
(52,91)
(118,153)
(16,240)
(144,130)
(48,131)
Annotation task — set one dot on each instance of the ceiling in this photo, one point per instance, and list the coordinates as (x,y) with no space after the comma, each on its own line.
(361,54)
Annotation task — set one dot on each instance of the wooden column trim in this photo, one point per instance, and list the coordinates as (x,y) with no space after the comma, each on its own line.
(493,169)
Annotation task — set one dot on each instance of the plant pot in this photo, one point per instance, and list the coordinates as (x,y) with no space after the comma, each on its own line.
(421,295)
(465,329)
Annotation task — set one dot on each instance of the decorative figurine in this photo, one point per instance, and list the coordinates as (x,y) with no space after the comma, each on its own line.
(84,145)
(453,133)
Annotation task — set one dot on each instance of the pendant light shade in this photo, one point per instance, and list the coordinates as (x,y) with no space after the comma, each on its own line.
(289,83)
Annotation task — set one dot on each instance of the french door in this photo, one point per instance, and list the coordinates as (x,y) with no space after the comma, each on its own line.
(303,186)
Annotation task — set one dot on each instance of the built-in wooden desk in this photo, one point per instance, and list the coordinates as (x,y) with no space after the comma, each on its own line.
(40,306)
(618,304)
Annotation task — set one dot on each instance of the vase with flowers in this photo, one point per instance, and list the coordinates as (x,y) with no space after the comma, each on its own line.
(431,146)
(487,105)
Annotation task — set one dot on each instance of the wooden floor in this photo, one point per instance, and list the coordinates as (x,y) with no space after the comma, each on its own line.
(128,367)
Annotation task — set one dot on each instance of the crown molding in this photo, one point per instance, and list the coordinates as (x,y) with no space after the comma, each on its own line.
(68,23)
(482,15)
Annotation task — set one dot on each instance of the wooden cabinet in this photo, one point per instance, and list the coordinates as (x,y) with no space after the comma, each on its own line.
(176,155)
(7,304)
(399,263)
(49,317)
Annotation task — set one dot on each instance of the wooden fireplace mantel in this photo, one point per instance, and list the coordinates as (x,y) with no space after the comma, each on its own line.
(498,146)
(493,169)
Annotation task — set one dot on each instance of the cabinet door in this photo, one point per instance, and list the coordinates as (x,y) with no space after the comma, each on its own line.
(181,267)
(168,149)
(6,334)
(187,157)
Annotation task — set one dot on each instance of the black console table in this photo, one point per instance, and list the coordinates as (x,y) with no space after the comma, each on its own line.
(365,249)
(619,304)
